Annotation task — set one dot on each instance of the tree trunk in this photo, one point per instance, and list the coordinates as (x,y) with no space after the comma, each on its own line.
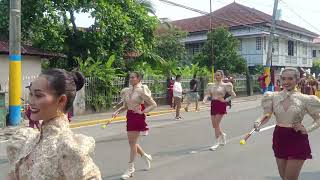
(73,21)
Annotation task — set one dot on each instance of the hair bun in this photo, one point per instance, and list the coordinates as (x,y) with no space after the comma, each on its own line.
(78,79)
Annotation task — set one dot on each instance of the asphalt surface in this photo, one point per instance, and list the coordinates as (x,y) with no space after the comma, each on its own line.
(180,149)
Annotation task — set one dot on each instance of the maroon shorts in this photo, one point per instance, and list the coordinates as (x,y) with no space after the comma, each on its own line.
(136,122)
(218,107)
(289,144)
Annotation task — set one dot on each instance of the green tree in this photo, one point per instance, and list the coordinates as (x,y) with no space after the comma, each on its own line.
(169,44)
(316,66)
(146,4)
(167,55)
(225,48)
(120,27)
(257,69)
(101,83)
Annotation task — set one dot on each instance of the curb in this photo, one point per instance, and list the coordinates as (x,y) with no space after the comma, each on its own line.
(110,120)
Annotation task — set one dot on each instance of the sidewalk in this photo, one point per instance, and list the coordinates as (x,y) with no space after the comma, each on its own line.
(159,110)
(101,118)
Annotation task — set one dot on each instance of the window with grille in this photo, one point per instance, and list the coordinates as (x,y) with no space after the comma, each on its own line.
(196,49)
(314,53)
(304,49)
(290,48)
(258,43)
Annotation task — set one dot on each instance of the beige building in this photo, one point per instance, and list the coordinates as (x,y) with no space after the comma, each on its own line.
(31,66)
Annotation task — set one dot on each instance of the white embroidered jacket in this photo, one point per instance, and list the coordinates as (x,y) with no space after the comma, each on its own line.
(219,90)
(54,154)
(298,105)
(133,97)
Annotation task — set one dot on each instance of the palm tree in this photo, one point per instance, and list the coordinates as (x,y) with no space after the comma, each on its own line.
(165,22)
(147,4)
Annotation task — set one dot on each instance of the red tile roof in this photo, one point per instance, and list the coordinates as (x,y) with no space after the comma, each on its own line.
(233,15)
(28,50)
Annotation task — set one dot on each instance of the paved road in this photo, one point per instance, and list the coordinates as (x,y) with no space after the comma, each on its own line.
(180,149)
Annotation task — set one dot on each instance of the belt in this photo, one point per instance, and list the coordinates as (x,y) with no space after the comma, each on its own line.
(286,125)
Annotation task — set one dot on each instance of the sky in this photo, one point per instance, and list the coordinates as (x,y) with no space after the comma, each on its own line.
(304,13)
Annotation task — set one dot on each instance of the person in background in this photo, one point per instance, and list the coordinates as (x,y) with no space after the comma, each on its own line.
(193,95)
(217,92)
(137,101)
(262,81)
(32,123)
(228,79)
(278,86)
(170,93)
(69,116)
(177,94)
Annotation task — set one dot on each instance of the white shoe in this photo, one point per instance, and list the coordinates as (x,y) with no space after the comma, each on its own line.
(223,139)
(217,144)
(148,159)
(129,172)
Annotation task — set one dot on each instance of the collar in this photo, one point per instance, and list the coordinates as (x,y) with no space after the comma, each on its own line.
(286,94)
(136,86)
(218,82)
(55,126)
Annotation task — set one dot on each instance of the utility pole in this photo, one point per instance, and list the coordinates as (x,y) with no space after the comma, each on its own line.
(212,53)
(270,46)
(15,63)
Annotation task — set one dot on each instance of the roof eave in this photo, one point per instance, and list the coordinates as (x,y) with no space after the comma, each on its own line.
(311,34)
(38,55)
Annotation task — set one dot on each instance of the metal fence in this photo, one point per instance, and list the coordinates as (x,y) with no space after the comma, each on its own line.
(158,86)
(98,92)
(26,80)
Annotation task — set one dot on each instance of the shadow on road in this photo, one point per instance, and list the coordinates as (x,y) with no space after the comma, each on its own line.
(303,176)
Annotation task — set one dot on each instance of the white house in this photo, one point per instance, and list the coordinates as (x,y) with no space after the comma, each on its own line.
(293,45)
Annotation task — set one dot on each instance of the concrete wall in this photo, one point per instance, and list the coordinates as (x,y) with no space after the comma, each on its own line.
(31,66)
(302,52)
(249,52)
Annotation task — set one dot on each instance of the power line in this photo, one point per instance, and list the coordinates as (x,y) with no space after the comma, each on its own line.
(183,6)
(222,18)
(297,14)
(260,4)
